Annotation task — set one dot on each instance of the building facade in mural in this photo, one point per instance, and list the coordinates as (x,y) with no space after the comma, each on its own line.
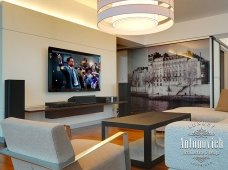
(171,80)
(173,74)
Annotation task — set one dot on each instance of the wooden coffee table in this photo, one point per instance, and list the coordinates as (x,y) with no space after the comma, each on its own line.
(147,122)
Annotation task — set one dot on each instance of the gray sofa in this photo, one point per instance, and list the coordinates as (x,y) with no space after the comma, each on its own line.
(196,145)
(202,113)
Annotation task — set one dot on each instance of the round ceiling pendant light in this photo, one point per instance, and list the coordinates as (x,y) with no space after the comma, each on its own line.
(135,17)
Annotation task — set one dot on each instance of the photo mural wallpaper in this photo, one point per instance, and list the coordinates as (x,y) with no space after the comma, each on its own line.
(169,76)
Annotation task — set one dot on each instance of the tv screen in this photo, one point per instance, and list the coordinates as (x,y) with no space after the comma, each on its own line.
(73,71)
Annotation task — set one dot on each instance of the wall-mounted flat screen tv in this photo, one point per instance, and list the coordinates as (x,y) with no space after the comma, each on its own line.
(70,71)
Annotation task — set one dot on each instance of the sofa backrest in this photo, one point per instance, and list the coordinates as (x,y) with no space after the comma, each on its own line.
(41,140)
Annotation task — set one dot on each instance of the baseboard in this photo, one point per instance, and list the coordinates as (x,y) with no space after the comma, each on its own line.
(78,125)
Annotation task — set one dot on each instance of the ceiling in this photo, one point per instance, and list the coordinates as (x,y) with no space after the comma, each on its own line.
(126,44)
(186,9)
(89,3)
(83,12)
(193,9)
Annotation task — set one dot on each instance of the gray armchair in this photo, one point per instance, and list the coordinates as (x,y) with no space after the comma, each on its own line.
(41,146)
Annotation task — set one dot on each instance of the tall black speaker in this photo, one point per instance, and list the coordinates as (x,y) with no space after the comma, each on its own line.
(15,98)
(124,95)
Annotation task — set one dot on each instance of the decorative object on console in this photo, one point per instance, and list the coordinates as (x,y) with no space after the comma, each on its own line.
(106,99)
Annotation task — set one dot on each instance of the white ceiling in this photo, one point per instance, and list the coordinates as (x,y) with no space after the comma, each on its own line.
(193,9)
(84,12)
(184,9)
(89,3)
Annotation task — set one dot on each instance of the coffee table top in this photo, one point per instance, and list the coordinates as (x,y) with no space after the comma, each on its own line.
(146,120)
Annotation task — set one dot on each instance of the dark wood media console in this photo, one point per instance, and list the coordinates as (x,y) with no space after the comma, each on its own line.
(59,112)
(72,111)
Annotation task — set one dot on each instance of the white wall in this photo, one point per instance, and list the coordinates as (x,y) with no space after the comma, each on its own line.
(1,84)
(226,70)
(26,37)
(216,72)
(202,27)
(70,10)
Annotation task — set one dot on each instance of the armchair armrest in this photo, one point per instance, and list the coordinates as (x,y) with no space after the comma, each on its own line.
(54,166)
(108,140)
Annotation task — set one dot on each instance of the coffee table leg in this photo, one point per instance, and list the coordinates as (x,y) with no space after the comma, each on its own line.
(147,147)
(104,132)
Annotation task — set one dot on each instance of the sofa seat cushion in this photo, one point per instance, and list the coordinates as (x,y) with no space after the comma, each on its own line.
(100,158)
(201,113)
(225,121)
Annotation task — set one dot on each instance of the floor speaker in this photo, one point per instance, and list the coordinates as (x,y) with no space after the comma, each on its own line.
(15,98)
(124,95)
